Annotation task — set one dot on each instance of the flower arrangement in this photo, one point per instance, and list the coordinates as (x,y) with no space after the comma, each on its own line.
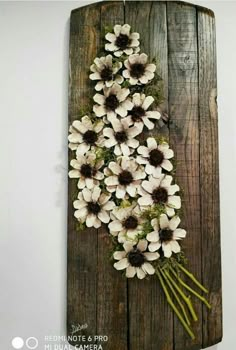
(126,180)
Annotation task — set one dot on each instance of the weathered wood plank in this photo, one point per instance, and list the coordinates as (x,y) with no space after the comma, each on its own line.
(150,319)
(82,246)
(139,317)
(111,288)
(209,177)
(184,137)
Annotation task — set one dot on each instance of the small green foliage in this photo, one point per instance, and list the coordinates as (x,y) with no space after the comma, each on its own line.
(80,226)
(107,29)
(146,228)
(105,154)
(154,212)
(161,139)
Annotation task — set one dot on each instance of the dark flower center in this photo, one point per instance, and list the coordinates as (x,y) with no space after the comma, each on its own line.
(137,113)
(125,178)
(131,222)
(160,195)
(87,171)
(90,137)
(93,208)
(136,258)
(137,70)
(112,102)
(106,74)
(121,136)
(156,157)
(122,41)
(166,235)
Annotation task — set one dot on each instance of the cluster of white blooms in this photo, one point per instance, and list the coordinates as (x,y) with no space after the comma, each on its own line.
(120,190)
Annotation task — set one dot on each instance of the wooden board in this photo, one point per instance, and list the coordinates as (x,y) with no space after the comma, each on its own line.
(134,314)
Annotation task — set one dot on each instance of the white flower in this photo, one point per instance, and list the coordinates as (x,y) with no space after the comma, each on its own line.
(126,223)
(155,157)
(122,137)
(122,41)
(138,70)
(135,259)
(124,176)
(106,72)
(139,114)
(160,191)
(93,207)
(84,135)
(86,169)
(113,102)
(165,235)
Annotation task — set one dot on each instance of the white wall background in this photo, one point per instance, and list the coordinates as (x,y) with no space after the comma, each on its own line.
(33,152)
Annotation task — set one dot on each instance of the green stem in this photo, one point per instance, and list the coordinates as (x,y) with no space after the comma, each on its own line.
(191,276)
(190,289)
(186,299)
(176,297)
(170,302)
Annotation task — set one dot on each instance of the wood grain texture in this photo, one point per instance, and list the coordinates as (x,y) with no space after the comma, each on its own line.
(135,314)
(184,138)
(209,177)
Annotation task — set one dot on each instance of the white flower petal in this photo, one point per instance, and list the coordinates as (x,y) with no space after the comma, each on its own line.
(120,192)
(145,200)
(79,204)
(148,268)
(151,143)
(128,246)
(115,226)
(164,222)
(125,149)
(140,273)
(142,245)
(82,149)
(174,223)
(153,114)
(147,102)
(99,110)
(118,255)
(148,186)
(153,236)
(89,183)
(109,205)
(179,233)
(167,165)
(115,168)
(174,201)
(166,247)
(90,220)
(151,256)
(96,194)
(110,37)
(112,181)
(87,194)
(104,216)
(143,151)
(74,174)
(131,190)
(150,125)
(175,246)
(154,246)
(151,67)
(130,271)
(81,213)
(122,264)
